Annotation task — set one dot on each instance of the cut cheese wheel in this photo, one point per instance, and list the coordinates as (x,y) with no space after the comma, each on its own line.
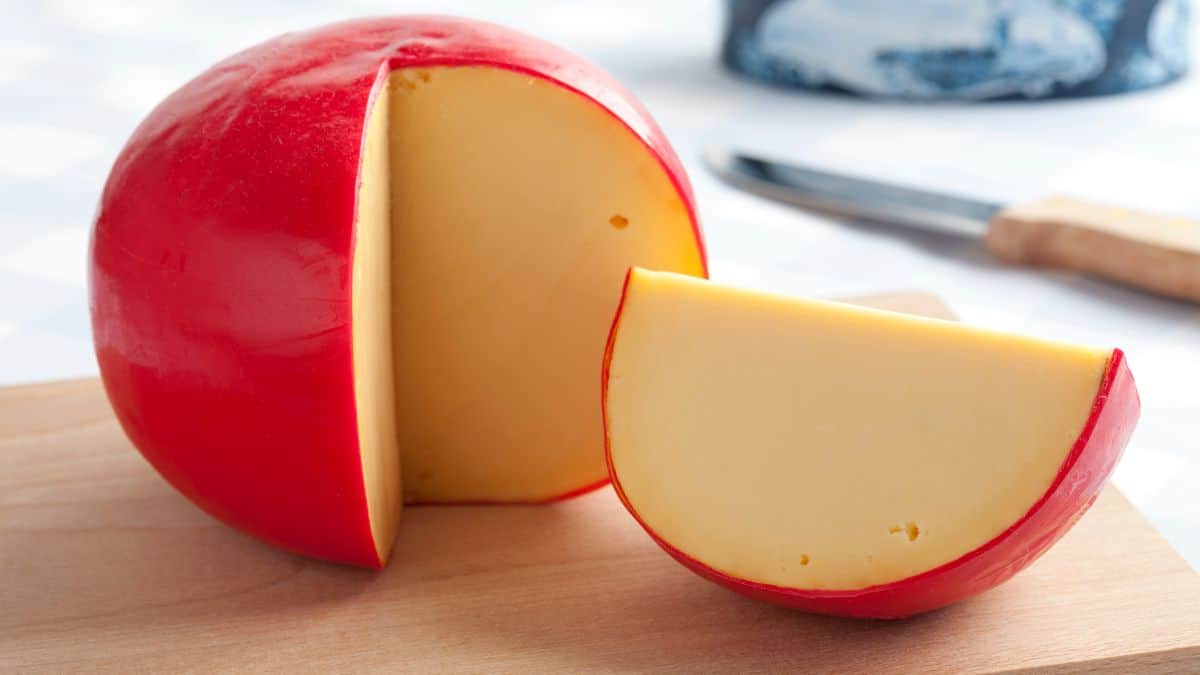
(374,262)
(823,455)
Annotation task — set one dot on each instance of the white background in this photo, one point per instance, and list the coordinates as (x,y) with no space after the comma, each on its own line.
(76,77)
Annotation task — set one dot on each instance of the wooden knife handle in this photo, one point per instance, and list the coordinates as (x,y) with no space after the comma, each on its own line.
(1156,253)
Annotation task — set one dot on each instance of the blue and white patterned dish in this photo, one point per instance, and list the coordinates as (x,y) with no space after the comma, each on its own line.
(960,49)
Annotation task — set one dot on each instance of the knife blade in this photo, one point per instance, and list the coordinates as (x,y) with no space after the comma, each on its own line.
(1153,252)
(852,197)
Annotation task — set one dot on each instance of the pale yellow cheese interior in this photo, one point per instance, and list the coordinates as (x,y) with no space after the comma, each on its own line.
(516,207)
(371,335)
(816,445)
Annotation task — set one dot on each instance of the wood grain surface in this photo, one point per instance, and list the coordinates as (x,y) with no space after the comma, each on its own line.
(1152,252)
(103,567)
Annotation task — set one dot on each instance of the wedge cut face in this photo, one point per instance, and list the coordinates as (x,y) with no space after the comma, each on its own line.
(843,459)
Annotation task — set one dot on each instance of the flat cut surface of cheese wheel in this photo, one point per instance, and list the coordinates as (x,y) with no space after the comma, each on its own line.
(374,393)
(814,445)
(516,206)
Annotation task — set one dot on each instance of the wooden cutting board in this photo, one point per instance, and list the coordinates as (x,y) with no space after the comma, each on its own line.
(104,568)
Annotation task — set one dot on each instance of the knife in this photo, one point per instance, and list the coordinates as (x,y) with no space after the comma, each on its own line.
(1152,252)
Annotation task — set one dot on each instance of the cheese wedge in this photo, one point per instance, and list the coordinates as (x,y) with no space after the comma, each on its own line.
(801,444)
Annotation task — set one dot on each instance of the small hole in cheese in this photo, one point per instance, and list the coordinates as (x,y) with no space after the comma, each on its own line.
(910,530)
(618,221)
(803,558)
(423,75)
